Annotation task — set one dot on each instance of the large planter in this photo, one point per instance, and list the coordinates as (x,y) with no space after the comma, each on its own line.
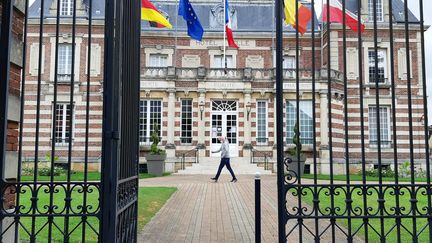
(156,164)
(295,165)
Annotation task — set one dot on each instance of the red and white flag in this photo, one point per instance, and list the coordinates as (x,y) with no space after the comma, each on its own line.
(228,30)
(336,15)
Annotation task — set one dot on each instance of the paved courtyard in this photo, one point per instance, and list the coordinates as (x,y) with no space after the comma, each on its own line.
(202,211)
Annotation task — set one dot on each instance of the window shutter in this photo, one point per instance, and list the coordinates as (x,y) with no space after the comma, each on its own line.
(34,59)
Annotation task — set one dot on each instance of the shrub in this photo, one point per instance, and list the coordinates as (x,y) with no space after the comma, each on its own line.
(154,149)
(46,171)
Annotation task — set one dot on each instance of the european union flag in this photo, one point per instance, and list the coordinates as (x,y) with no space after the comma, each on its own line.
(195,29)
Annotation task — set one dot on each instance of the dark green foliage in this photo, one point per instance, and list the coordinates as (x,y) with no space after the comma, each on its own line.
(154,149)
(296,141)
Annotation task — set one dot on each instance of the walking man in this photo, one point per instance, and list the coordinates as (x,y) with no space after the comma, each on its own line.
(225,159)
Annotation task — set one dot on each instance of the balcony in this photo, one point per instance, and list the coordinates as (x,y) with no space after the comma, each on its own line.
(238,74)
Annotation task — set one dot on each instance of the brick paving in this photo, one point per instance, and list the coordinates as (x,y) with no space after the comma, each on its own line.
(202,211)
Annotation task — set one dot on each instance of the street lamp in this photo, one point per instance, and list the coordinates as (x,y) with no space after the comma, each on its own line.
(248,109)
(201,107)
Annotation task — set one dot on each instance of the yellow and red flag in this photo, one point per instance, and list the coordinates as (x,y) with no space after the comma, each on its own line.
(150,13)
(304,15)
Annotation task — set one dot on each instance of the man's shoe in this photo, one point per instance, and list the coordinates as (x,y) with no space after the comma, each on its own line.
(234,180)
(214,179)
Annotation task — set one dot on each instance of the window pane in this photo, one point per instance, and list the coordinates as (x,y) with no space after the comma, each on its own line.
(150,116)
(379,10)
(306,121)
(382,63)
(384,126)
(186,119)
(289,62)
(63,123)
(219,61)
(261,122)
(158,60)
(64,62)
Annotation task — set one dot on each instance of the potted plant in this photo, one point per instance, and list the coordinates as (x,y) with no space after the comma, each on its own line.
(156,157)
(298,159)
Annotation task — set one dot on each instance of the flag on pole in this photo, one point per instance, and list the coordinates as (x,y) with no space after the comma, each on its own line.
(336,15)
(195,29)
(228,29)
(151,13)
(304,15)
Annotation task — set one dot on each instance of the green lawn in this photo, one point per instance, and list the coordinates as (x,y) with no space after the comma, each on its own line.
(150,200)
(79,176)
(359,178)
(339,201)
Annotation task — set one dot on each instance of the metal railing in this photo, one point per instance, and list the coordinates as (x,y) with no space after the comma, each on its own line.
(266,156)
(184,155)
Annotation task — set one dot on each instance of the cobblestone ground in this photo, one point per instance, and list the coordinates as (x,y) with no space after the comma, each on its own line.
(203,211)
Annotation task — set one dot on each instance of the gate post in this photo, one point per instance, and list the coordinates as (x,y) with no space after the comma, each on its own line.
(279,123)
(5,42)
(120,150)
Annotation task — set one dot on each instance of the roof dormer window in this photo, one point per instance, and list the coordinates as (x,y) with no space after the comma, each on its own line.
(66,7)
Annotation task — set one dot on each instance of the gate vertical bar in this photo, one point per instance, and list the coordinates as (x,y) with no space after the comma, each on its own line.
(394,122)
(362,125)
(279,124)
(110,124)
(426,120)
(410,125)
(5,43)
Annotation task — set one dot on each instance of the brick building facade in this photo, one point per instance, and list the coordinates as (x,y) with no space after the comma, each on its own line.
(187,91)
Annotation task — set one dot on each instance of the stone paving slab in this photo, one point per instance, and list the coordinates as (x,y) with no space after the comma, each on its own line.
(203,211)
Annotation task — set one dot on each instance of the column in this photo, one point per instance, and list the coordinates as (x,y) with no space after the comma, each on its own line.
(201,122)
(170,146)
(324,167)
(247,125)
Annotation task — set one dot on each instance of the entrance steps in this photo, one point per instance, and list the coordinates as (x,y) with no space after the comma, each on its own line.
(209,166)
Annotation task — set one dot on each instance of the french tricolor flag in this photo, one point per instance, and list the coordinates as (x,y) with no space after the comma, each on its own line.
(336,15)
(228,30)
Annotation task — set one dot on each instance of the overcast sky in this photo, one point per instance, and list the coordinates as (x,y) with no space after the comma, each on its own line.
(414,6)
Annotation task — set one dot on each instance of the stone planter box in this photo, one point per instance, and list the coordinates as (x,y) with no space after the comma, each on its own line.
(156,164)
(293,167)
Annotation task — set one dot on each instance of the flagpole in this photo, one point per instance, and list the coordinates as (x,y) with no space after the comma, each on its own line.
(322,33)
(175,35)
(224,36)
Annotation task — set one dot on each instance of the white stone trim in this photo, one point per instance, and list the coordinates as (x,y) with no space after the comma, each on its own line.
(164,51)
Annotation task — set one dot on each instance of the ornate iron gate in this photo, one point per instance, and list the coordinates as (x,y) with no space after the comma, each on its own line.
(395,205)
(58,185)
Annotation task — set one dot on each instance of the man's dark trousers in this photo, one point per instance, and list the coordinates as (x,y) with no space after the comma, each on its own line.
(225,162)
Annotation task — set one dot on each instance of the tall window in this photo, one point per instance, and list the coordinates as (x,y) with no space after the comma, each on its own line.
(66,7)
(63,122)
(64,62)
(379,10)
(261,123)
(219,61)
(158,60)
(384,112)
(306,121)
(382,66)
(186,121)
(150,116)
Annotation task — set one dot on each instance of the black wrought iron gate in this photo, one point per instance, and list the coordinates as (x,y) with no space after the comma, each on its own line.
(58,185)
(377,118)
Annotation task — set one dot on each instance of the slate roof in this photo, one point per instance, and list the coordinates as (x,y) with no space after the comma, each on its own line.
(250,17)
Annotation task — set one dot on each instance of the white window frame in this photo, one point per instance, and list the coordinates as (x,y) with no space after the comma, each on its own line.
(64,73)
(66,7)
(146,139)
(384,65)
(158,60)
(259,140)
(219,62)
(191,122)
(286,62)
(385,141)
(291,119)
(63,141)
(380,14)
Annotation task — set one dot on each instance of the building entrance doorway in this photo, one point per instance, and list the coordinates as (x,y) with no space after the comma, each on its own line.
(224,123)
